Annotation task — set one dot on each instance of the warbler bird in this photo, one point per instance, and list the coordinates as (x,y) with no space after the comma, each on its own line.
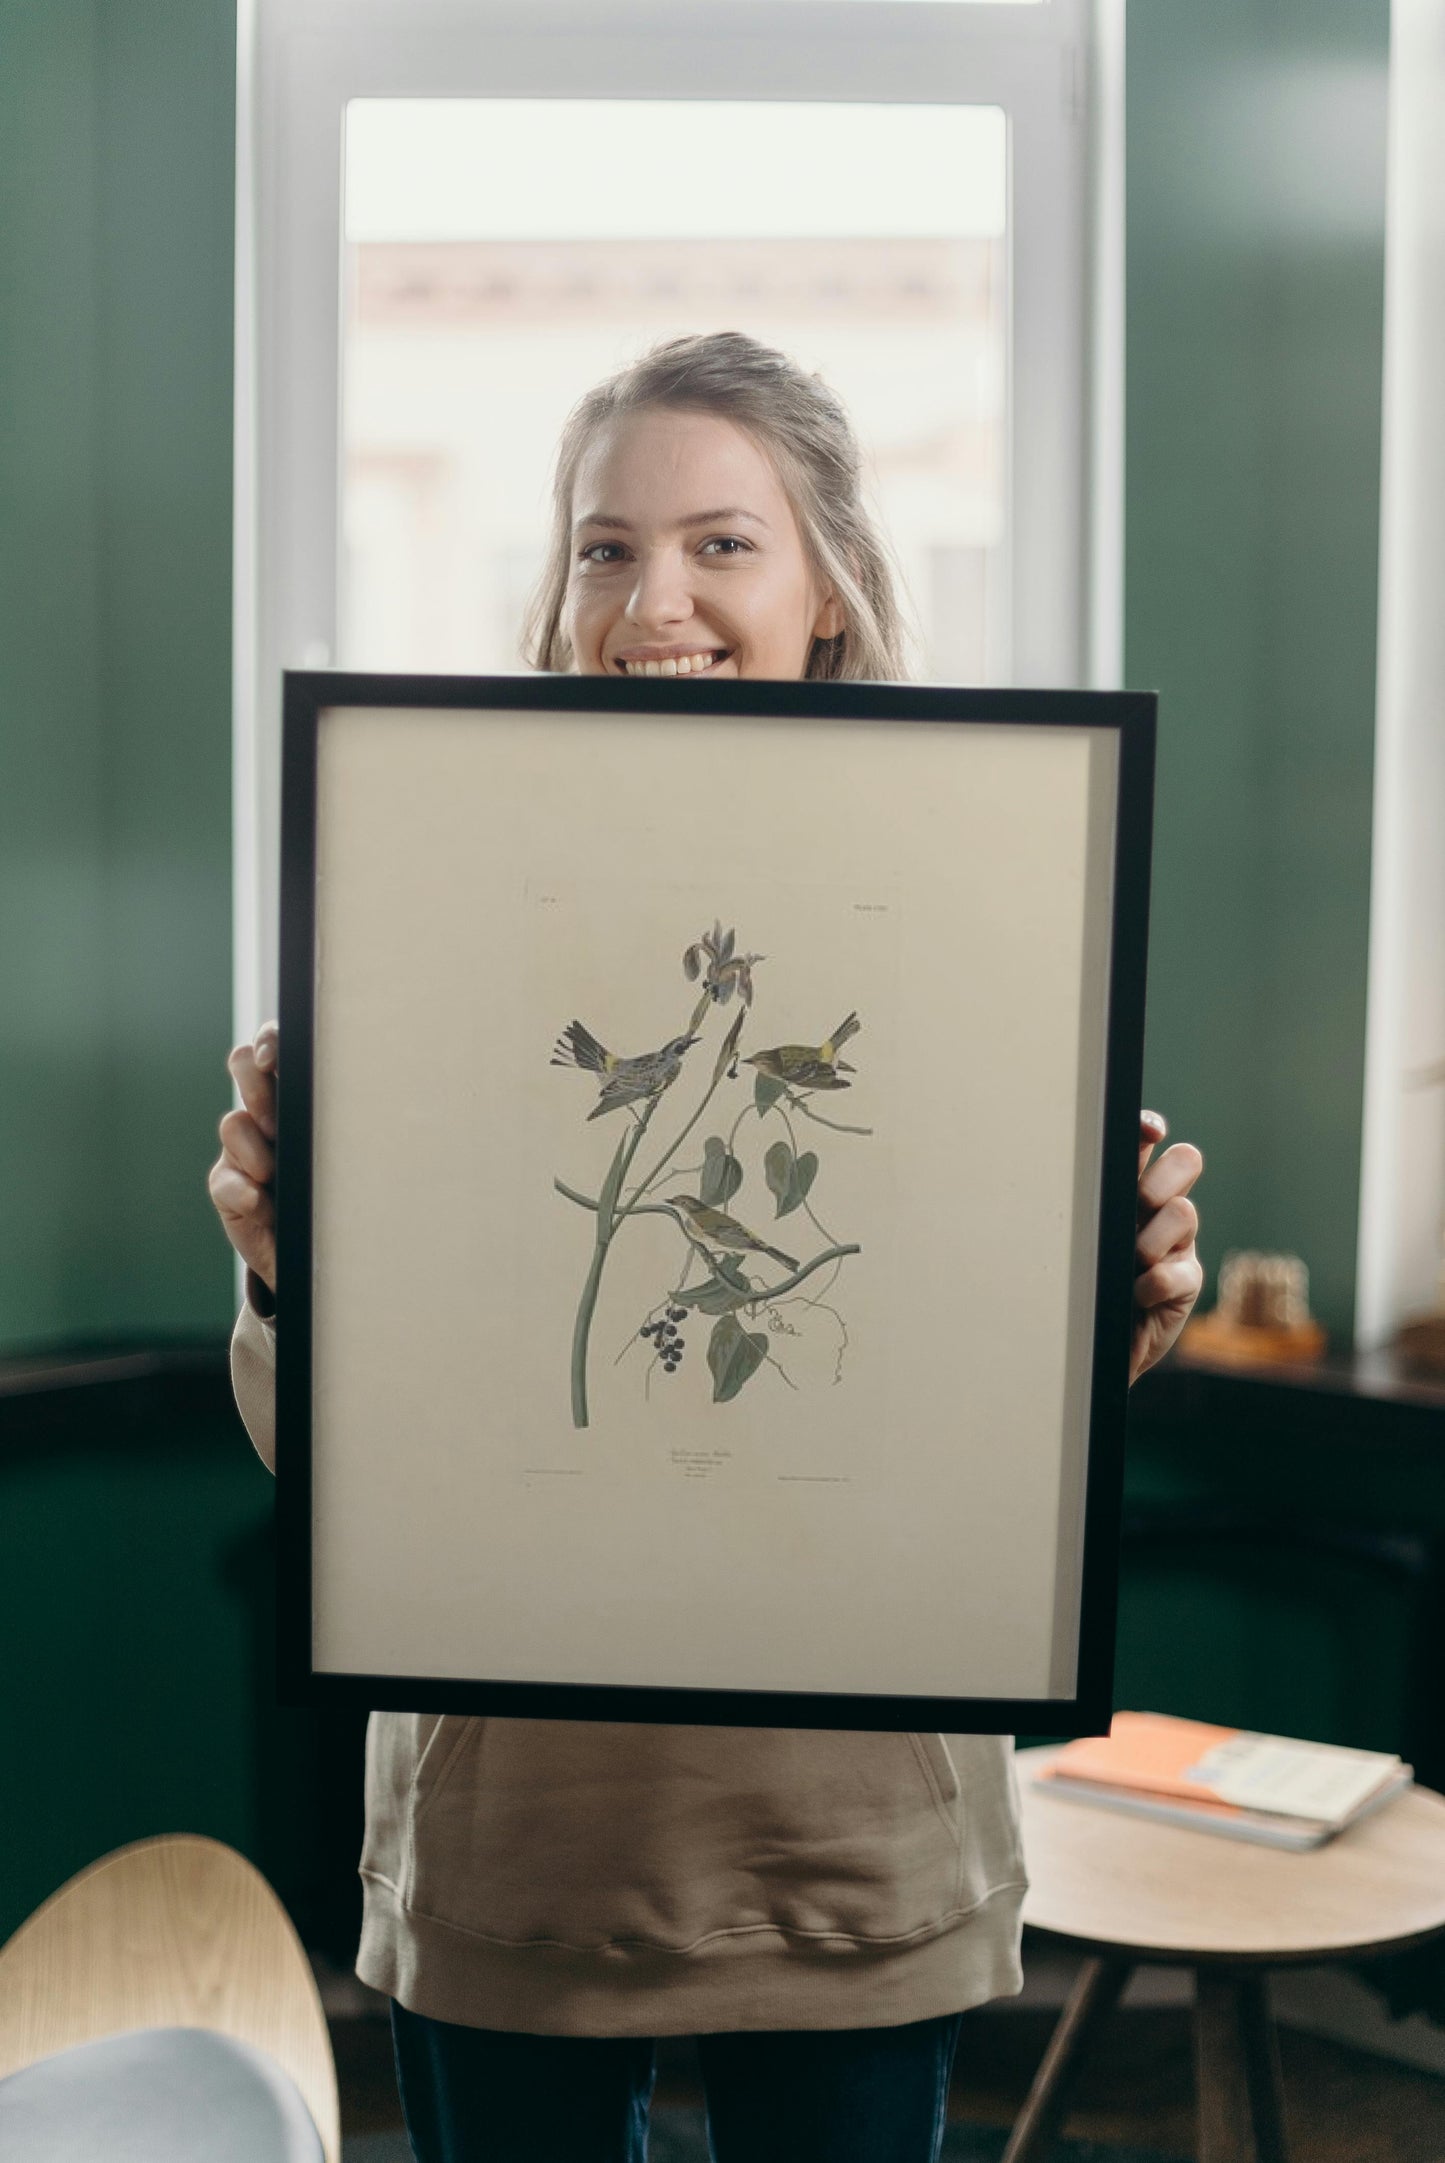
(627,1081)
(721,1230)
(809,1066)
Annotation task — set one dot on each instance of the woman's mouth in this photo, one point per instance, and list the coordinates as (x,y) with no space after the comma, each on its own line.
(682,664)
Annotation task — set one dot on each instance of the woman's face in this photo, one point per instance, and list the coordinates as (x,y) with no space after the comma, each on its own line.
(686,556)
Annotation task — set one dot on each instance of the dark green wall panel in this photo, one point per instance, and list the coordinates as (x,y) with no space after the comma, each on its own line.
(1255,265)
(137,1600)
(117,130)
(167,135)
(53,1039)
(132,1696)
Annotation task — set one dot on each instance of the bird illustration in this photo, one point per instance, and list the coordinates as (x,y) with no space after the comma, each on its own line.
(809,1066)
(627,1081)
(716,1226)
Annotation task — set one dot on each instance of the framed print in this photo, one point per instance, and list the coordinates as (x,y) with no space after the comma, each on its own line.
(707,1152)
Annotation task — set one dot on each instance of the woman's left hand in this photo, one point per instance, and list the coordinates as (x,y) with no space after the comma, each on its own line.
(1168,1275)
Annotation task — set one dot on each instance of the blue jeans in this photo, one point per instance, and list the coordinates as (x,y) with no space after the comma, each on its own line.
(832,2095)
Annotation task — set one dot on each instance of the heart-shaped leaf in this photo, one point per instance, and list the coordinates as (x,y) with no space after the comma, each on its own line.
(778,1170)
(734,1355)
(722,1174)
(766,1091)
(789,1178)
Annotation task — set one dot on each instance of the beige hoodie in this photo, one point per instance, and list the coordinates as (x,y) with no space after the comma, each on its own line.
(584,1878)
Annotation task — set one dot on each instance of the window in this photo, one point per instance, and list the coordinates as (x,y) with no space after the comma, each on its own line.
(496,269)
(903,193)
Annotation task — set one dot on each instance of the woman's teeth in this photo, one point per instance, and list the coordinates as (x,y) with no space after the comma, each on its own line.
(687,664)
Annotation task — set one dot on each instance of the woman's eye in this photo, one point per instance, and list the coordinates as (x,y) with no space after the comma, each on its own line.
(597,552)
(727,544)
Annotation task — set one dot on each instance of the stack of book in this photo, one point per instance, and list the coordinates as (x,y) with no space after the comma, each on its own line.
(1268,1788)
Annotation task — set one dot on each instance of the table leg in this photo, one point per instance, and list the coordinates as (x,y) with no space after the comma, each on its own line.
(1241,2118)
(1095,1994)
(1261,2044)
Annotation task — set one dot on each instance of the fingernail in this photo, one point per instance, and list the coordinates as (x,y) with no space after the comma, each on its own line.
(1156,1119)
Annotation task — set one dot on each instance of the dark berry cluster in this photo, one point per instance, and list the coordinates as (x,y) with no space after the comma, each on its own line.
(665,1339)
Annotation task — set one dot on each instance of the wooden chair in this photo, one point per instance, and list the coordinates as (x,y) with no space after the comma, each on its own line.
(1126,1890)
(175,1932)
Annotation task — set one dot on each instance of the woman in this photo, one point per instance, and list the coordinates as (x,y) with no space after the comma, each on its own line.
(544,1898)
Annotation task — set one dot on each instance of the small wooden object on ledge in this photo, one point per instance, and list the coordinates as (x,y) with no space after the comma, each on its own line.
(1420,1342)
(1262,1317)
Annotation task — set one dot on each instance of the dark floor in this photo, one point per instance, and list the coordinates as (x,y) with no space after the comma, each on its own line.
(1344,2106)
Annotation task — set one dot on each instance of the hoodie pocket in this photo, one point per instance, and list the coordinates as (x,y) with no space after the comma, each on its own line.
(941,1775)
(593,1834)
(404,1752)
(440,1751)
(452,1735)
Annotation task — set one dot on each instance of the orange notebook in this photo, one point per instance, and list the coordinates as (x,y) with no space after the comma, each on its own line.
(1155,1754)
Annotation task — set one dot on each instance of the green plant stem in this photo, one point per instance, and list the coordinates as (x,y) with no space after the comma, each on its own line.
(771,1292)
(742,1115)
(670,1152)
(581,1330)
(607,1221)
(644,1209)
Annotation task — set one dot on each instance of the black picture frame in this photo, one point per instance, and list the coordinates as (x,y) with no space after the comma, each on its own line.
(1131,717)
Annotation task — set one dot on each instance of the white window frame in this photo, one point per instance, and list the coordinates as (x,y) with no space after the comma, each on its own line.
(1402,1163)
(1049,67)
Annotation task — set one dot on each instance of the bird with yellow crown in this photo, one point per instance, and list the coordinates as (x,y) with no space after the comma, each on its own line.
(809,1066)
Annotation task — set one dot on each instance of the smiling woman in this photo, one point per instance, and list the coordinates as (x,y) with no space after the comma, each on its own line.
(544,1896)
(644,577)
(677,593)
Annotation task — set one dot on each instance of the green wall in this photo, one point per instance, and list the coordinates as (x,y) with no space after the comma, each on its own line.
(52,1030)
(1255,269)
(116,154)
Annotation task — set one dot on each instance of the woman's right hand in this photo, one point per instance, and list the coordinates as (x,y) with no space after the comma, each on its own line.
(242,1178)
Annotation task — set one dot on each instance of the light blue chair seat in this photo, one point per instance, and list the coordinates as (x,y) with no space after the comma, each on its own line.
(156,2095)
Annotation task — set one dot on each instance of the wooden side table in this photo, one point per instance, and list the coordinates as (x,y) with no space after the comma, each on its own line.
(1125,1890)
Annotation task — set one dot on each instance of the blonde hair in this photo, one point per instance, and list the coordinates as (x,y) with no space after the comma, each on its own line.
(805,429)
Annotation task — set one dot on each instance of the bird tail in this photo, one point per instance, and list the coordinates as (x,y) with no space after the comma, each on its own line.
(776,1254)
(577,1046)
(844,1030)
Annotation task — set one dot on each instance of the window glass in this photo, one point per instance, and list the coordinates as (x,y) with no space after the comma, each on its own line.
(504,255)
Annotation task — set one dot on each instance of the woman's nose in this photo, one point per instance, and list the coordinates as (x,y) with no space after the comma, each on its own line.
(661,594)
